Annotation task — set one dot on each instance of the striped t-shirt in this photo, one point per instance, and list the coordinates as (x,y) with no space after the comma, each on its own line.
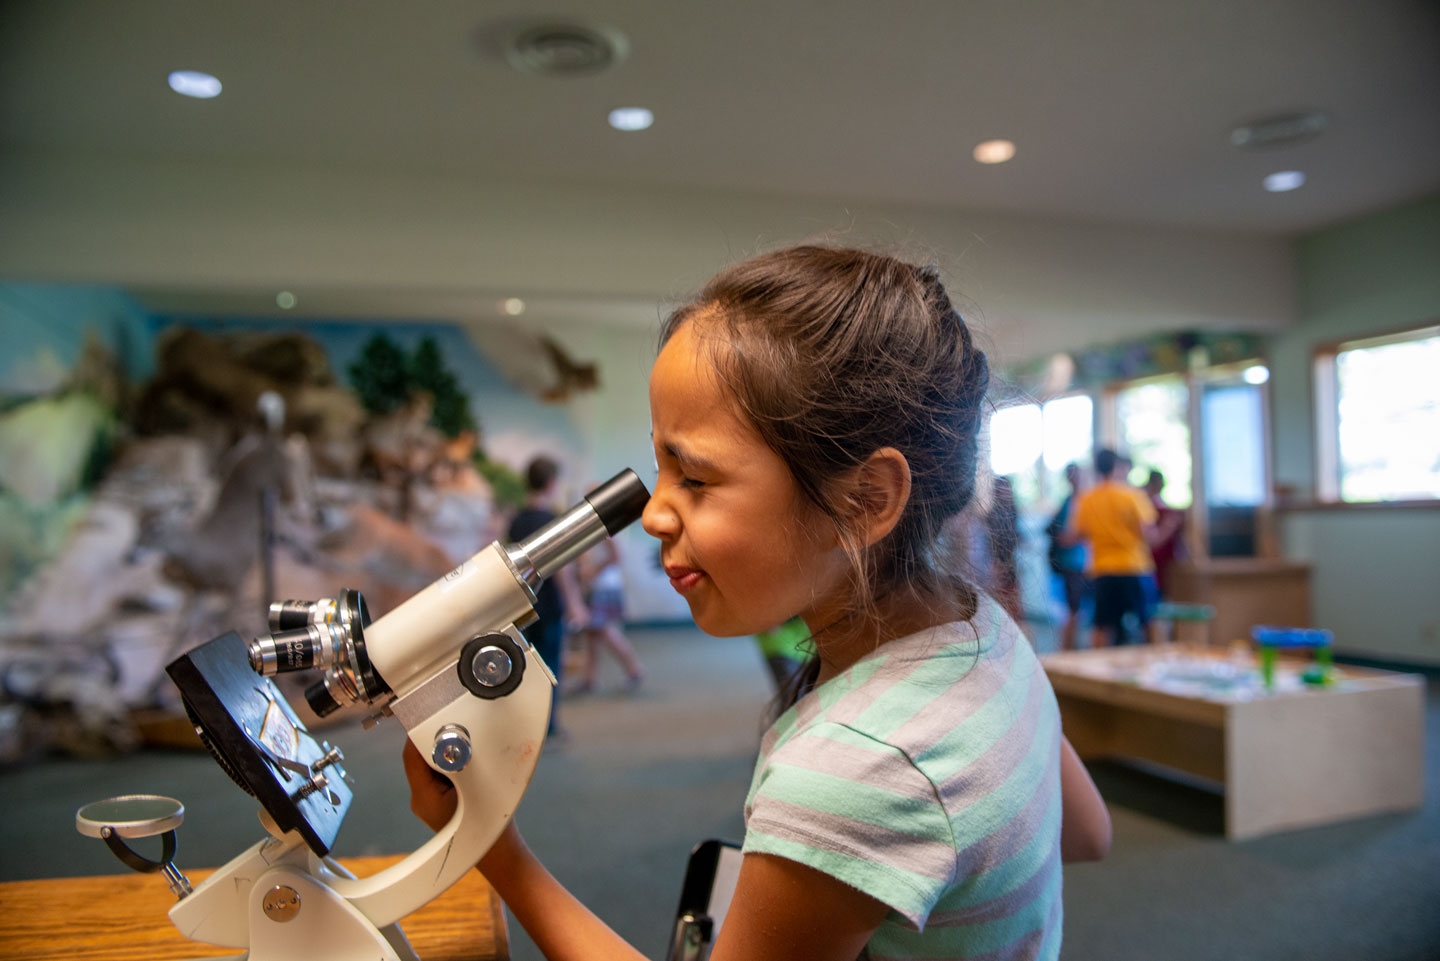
(928,777)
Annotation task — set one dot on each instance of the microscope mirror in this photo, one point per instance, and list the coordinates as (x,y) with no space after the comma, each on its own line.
(130,816)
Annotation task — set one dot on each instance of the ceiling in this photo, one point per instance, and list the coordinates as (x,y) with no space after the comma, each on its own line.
(1120,108)
(1121,111)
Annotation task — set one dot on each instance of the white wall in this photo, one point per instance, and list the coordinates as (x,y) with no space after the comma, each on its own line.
(1376,572)
(1036,286)
(615,422)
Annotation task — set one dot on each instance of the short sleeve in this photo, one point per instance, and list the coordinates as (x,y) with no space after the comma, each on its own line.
(1080,516)
(1145,507)
(859,810)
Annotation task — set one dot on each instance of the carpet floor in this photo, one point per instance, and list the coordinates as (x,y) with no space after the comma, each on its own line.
(641,776)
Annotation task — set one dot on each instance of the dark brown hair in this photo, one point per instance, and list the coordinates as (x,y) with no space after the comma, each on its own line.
(540,473)
(833,353)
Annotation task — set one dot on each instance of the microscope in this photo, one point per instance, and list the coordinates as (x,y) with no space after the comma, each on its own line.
(449,664)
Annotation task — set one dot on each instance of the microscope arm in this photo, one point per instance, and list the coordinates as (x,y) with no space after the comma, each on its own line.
(506,736)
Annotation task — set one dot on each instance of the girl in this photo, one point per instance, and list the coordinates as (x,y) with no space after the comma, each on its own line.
(603,585)
(815,414)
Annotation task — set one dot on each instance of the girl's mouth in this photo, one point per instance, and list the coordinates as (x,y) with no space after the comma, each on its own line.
(683,579)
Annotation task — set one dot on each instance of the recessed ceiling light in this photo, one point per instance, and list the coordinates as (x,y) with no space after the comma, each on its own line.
(285,300)
(1280,131)
(1257,374)
(513,306)
(193,83)
(566,49)
(631,118)
(994,151)
(1284,180)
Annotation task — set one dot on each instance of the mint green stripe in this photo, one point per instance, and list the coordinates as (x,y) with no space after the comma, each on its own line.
(1002,878)
(970,939)
(840,796)
(901,890)
(993,810)
(899,703)
(964,744)
(844,734)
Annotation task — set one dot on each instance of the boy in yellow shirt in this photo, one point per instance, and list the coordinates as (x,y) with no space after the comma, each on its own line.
(1118,520)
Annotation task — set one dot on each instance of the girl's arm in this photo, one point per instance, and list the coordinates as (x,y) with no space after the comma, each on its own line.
(1085,821)
(781,911)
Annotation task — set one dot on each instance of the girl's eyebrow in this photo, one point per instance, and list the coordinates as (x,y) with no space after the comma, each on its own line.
(688,458)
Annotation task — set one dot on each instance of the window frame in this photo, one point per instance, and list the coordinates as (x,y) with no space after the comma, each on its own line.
(1195,378)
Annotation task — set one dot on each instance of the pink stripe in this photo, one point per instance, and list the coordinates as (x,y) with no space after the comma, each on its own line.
(943,714)
(1013,834)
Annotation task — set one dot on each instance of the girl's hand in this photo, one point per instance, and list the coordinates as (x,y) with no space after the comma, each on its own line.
(432,796)
(433,800)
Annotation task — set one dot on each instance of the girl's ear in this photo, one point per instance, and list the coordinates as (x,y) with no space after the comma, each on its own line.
(879,491)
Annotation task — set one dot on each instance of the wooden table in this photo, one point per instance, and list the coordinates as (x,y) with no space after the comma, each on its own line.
(1286,759)
(123,918)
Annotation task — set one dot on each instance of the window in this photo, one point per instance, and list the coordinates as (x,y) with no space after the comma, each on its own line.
(1032,443)
(1378,417)
(1234,472)
(1153,423)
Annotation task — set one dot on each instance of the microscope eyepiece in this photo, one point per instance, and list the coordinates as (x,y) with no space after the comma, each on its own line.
(619,501)
(603,512)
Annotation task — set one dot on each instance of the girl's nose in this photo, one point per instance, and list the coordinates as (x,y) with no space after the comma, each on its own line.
(657,519)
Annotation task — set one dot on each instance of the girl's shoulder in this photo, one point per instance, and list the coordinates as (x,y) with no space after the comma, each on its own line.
(987,632)
(905,672)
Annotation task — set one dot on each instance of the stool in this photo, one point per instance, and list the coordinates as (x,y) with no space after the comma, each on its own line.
(1165,621)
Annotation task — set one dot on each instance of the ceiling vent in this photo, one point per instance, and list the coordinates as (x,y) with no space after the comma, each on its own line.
(566,49)
(1280,131)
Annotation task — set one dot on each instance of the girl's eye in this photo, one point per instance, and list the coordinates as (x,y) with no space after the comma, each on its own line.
(690,483)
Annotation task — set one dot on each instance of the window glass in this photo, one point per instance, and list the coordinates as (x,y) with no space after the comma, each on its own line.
(1234,443)
(1032,443)
(1016,438)
(1154,427)
(1068,425)
(1388,425)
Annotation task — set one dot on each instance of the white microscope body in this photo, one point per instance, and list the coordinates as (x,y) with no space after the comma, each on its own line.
(451,665)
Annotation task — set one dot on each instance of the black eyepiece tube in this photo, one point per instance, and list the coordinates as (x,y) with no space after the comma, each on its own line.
(619,501)
(293,615)
(321,699)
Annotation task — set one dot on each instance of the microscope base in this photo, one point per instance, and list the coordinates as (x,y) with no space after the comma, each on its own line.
(292,915)
(275,900)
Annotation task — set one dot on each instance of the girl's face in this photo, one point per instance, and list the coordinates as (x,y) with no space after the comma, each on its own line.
(738,540)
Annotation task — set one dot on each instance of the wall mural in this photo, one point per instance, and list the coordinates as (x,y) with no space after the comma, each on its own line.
(1169,353)
(142,515)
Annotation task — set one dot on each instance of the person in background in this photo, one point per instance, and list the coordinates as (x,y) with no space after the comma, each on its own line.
(1002,527)
(558,600)
(1169,543)
(815,416)
(603,586)
(1067,560)
(1117,520)
(784,649)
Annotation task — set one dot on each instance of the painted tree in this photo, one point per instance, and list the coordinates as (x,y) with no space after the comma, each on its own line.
(428,372)
(381,375)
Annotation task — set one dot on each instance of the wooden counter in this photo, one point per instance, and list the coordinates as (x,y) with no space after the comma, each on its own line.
(1244,591)
(123,918)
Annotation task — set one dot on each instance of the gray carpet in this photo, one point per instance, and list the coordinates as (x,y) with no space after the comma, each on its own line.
(614,810)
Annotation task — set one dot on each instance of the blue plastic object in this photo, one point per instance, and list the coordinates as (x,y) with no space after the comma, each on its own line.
(1291,636)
